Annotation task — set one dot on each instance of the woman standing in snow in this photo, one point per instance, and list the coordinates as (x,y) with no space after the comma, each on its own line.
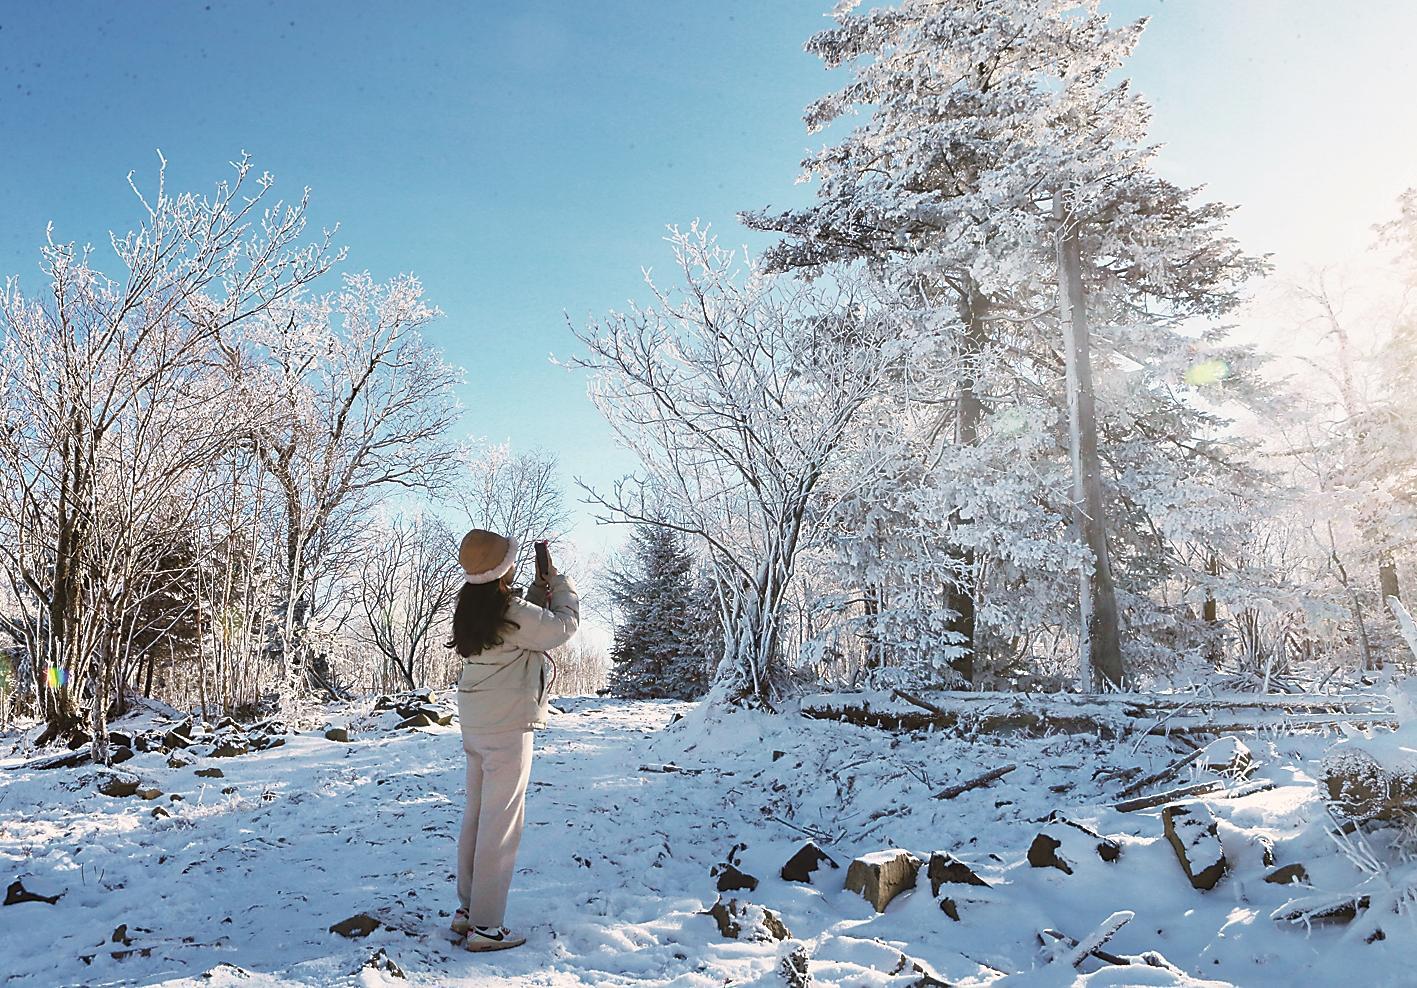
(503,694)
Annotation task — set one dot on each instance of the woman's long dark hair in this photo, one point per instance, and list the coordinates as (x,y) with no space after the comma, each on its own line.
(479,616)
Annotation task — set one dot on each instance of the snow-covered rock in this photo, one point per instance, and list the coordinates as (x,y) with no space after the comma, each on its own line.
(1043,853)
(1191,830)
(945,869)
(730,879)
(746,921)
(805,863)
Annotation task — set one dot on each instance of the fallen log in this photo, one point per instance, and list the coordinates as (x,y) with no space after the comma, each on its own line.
(1362,787)
(1118,774)
(66,759)
(1024,721)
(1169,796)
(1331,907)
(1295,723)
(1107,716)
(951,792)
(1250,788)
(1335,705)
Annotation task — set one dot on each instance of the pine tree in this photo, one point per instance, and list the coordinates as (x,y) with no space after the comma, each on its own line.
(667,632)
(1000,172)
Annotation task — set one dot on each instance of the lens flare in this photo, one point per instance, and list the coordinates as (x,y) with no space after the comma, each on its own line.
(58,678)
(1207,372)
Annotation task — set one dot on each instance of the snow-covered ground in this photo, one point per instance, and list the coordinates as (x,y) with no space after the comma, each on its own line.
(627,816)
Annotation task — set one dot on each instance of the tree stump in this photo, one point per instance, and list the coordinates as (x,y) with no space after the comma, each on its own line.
(883,875)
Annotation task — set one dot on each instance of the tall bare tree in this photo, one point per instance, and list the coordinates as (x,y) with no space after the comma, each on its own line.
(737,394)
(357,404)
(516,494)
(408,582)
(109,407)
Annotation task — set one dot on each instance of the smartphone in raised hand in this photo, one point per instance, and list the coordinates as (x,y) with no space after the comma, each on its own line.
(543,560)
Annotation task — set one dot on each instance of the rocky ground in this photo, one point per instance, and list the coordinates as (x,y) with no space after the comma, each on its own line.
(669,844)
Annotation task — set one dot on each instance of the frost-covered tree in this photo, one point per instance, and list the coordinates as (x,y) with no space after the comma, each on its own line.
(354,404)
(193,441)
(664,642)
(1002,180)
(1391,428)
(407,584)
(1353,448)
(737,392)
(112,411)
(515,493)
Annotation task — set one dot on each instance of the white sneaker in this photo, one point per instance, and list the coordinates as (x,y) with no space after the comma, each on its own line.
(461,924)
(480,938)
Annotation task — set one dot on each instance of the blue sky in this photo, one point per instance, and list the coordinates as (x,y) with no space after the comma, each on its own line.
(524,159)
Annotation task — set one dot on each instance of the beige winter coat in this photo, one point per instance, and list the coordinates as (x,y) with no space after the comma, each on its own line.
(506,687)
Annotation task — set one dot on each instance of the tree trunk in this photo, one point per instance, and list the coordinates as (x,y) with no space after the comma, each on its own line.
(294,645)
(875,658)
(1365,648)
(753,670)
(1387,577)
(961,591)
(102,678)
(148,679)
(1100,641)
(1210,611)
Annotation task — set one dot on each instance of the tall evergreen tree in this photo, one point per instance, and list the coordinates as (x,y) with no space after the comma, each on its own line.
(1000,171)
(665,639)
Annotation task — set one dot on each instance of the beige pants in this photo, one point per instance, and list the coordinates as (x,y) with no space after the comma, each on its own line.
(498,766)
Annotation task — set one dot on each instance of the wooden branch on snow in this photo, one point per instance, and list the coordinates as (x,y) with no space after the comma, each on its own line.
(976,782)
(1100,954)
(923,704)
(1328,705)
(1250,788)
(820,836)
(1094,940)
(671,767)
(989,721)
(1165,773)
(1170,795)
(1119,774)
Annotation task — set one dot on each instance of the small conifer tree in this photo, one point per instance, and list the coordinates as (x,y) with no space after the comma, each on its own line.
(664,642)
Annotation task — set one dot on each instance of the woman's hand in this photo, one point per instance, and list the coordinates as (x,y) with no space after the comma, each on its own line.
(542,580)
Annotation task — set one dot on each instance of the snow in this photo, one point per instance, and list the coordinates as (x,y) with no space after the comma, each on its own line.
(614,873)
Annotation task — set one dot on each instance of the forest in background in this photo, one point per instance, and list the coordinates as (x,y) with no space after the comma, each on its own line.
(977,419)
